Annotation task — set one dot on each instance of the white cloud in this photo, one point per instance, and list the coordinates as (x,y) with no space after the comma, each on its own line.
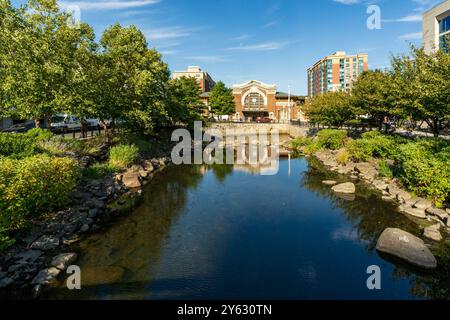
(169,52)
(242,37)
(267,46)
(167,33)
(408,18)
(411,36)
(208,59)
(107,4)
(347,2)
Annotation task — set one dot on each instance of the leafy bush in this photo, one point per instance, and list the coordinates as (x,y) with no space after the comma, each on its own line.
(384,170)
(424,173)
(374,144)
(331,139)
(123,156)
(98,171)
(300,142)
(31,186)
(21,145)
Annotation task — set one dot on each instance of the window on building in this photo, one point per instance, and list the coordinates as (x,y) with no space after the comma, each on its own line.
(254,102)
(444,25)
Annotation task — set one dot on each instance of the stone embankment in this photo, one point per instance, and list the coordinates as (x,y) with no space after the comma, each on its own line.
(40,257)
(434,221)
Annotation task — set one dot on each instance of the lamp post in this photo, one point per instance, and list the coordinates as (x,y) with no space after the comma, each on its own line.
(289,102)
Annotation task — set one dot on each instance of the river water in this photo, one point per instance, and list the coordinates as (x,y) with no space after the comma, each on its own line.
(224,232)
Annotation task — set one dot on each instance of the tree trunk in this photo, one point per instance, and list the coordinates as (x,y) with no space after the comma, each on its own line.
(37,123)
(48,121)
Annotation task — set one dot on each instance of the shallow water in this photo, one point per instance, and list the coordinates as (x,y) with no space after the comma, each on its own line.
(224,232)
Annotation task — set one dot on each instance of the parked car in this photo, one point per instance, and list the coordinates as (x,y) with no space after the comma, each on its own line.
(23,127)
(263,120)
(61,122)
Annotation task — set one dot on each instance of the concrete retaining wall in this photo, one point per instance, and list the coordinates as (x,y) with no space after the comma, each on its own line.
(248,128)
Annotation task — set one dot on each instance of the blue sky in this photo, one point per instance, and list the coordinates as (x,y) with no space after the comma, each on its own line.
(273,41)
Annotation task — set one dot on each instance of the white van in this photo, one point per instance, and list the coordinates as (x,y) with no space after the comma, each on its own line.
(62,121)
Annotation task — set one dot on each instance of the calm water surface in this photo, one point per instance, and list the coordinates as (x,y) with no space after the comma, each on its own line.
(228,233)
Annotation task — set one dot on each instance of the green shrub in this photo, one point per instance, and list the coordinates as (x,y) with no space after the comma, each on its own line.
(426,174)
(374,144)
(300,142)
(98,171)
(123,156)
(331,139)
(384,170)
(21,145)
(31,186)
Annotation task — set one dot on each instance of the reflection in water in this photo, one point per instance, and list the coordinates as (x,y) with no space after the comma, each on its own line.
(217,232)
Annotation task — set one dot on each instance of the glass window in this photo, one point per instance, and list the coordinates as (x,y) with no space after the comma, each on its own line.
(254,101)
(444,25)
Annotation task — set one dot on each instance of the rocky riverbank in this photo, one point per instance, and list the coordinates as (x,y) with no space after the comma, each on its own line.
(42,254)
(435,222)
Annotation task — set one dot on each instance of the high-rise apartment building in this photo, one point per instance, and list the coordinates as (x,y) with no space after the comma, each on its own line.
(204,79)
(436,27)
(336,72)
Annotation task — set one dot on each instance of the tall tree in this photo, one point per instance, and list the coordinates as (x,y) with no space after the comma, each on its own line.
(222,100)
(185,105)
(133,77)
(373,95)
(39,60)
(423,87)
(331,109)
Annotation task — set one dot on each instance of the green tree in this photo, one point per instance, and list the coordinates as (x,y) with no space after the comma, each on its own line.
(222,100)
(331,109)
(133,78)
(373,96)
(185,105)
(423,87)
(36,59)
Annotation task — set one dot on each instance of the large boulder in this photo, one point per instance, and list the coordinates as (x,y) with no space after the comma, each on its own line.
(132,180)
(346,188)
(45,243)
(407,247)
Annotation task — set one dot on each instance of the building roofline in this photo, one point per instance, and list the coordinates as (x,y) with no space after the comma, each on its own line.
(434,7)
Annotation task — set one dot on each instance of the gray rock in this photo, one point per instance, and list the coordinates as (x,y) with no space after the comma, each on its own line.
(29,256)
(380,185)
(403,196)
(6,281)
(366,170)
(418,213)
(388,198)
(347,188)
(63,260)
(84,228)
(422,204)
(132,180)
(406,246)
(45,243)
(95,203)
(441,214)
(93,213)
(329,182)
(433,233)
(46,276)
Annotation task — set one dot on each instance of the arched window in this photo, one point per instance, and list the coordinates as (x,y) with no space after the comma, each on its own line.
(254,102)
